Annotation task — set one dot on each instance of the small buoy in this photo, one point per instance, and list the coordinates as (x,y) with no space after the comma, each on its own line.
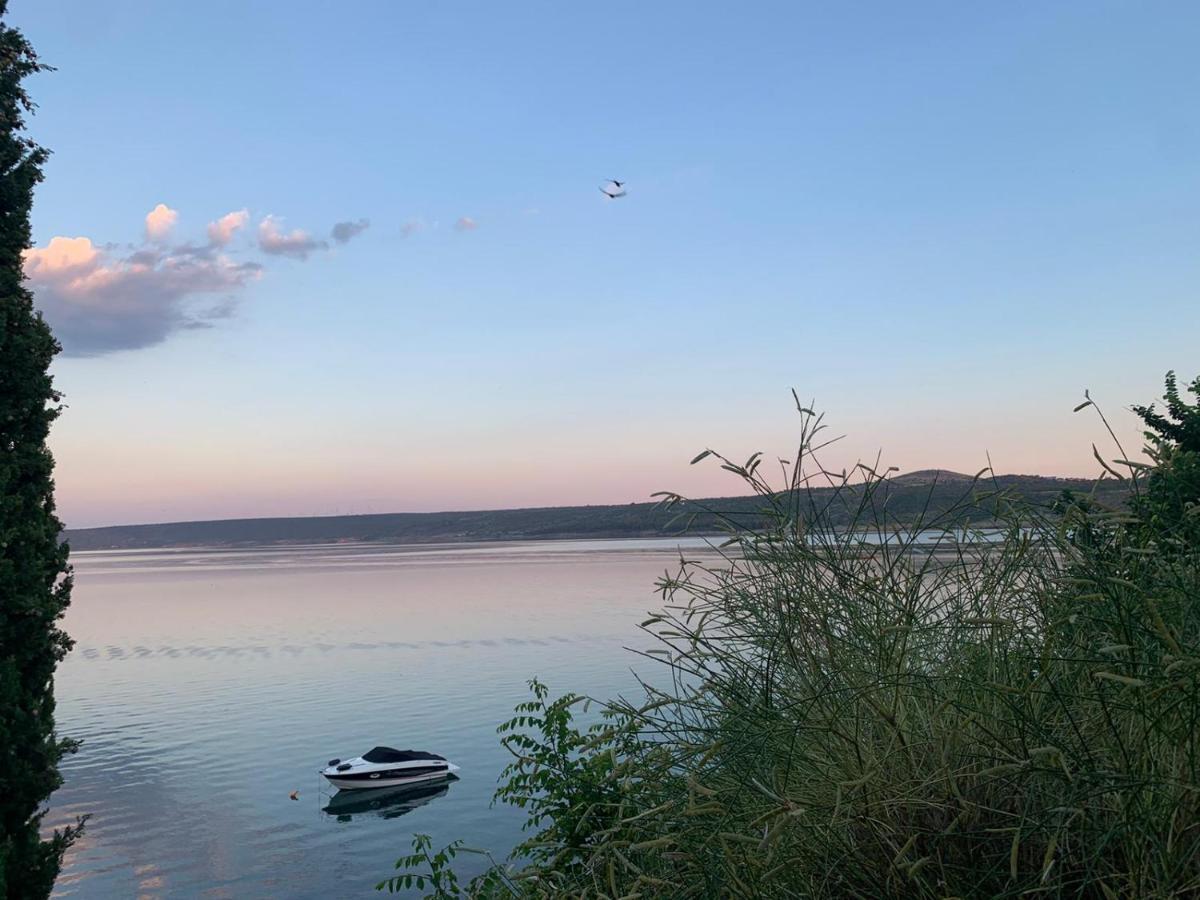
(295,795)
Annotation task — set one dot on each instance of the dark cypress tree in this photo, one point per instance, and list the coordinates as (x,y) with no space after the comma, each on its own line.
(35,580)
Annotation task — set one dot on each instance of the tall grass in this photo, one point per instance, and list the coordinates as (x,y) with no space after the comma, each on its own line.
(907,709)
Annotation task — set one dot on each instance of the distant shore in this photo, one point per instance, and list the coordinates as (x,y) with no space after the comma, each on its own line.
(905,496)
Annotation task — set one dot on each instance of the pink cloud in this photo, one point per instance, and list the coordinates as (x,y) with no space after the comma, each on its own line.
(62,255)
(221,232)
(296,243)
(160,221)
(98,303)
(99,298)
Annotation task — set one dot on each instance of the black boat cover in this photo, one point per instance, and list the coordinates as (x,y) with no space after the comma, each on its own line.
(388,755)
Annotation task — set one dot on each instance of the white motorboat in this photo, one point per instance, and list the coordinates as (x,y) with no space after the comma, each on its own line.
(385,767)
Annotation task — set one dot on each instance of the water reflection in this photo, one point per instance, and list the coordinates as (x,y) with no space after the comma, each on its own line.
(386,803)
(191,667)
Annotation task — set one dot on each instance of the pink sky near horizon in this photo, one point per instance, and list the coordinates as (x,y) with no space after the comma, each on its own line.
(102,484)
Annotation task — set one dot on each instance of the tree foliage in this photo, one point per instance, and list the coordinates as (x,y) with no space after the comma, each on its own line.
(1179,428)
(1169,506)
(35,582)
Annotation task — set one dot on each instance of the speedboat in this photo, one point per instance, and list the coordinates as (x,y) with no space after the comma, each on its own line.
(385,767)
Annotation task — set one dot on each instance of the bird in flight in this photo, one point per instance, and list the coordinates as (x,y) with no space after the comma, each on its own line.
(617,189)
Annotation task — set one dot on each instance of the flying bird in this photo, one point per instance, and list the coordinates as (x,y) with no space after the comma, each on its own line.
(295,795)
(613,194)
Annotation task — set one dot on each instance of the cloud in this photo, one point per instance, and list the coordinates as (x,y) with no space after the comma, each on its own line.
(465,223)
(220,232)
(345,231)
(60,257)
(411,227)
(160,221)
(98,303)
(104,297)
(297,243)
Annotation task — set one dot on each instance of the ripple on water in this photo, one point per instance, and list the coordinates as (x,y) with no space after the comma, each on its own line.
(206,687)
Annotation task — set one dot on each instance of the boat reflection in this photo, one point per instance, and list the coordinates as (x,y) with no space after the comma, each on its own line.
(387,803)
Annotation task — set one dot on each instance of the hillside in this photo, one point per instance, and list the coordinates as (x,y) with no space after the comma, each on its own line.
(905,497)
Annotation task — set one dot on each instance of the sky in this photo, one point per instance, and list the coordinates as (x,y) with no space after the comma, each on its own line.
(309,259)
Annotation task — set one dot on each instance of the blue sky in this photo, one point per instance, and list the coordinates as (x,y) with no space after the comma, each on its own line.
(942,221)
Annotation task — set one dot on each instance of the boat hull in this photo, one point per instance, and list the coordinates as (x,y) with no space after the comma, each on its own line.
(368,781)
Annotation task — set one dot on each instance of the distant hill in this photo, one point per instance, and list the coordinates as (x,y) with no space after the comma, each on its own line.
(944,476)
(905,497)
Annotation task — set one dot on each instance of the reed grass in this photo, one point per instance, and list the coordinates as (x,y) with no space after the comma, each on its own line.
(894,709)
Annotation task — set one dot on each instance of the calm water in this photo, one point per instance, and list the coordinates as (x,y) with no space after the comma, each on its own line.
(208,685)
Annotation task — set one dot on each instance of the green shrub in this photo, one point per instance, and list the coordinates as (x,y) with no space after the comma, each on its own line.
(1170,504)
(916,709)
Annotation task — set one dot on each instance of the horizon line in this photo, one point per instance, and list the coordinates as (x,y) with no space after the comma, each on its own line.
(435,512)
